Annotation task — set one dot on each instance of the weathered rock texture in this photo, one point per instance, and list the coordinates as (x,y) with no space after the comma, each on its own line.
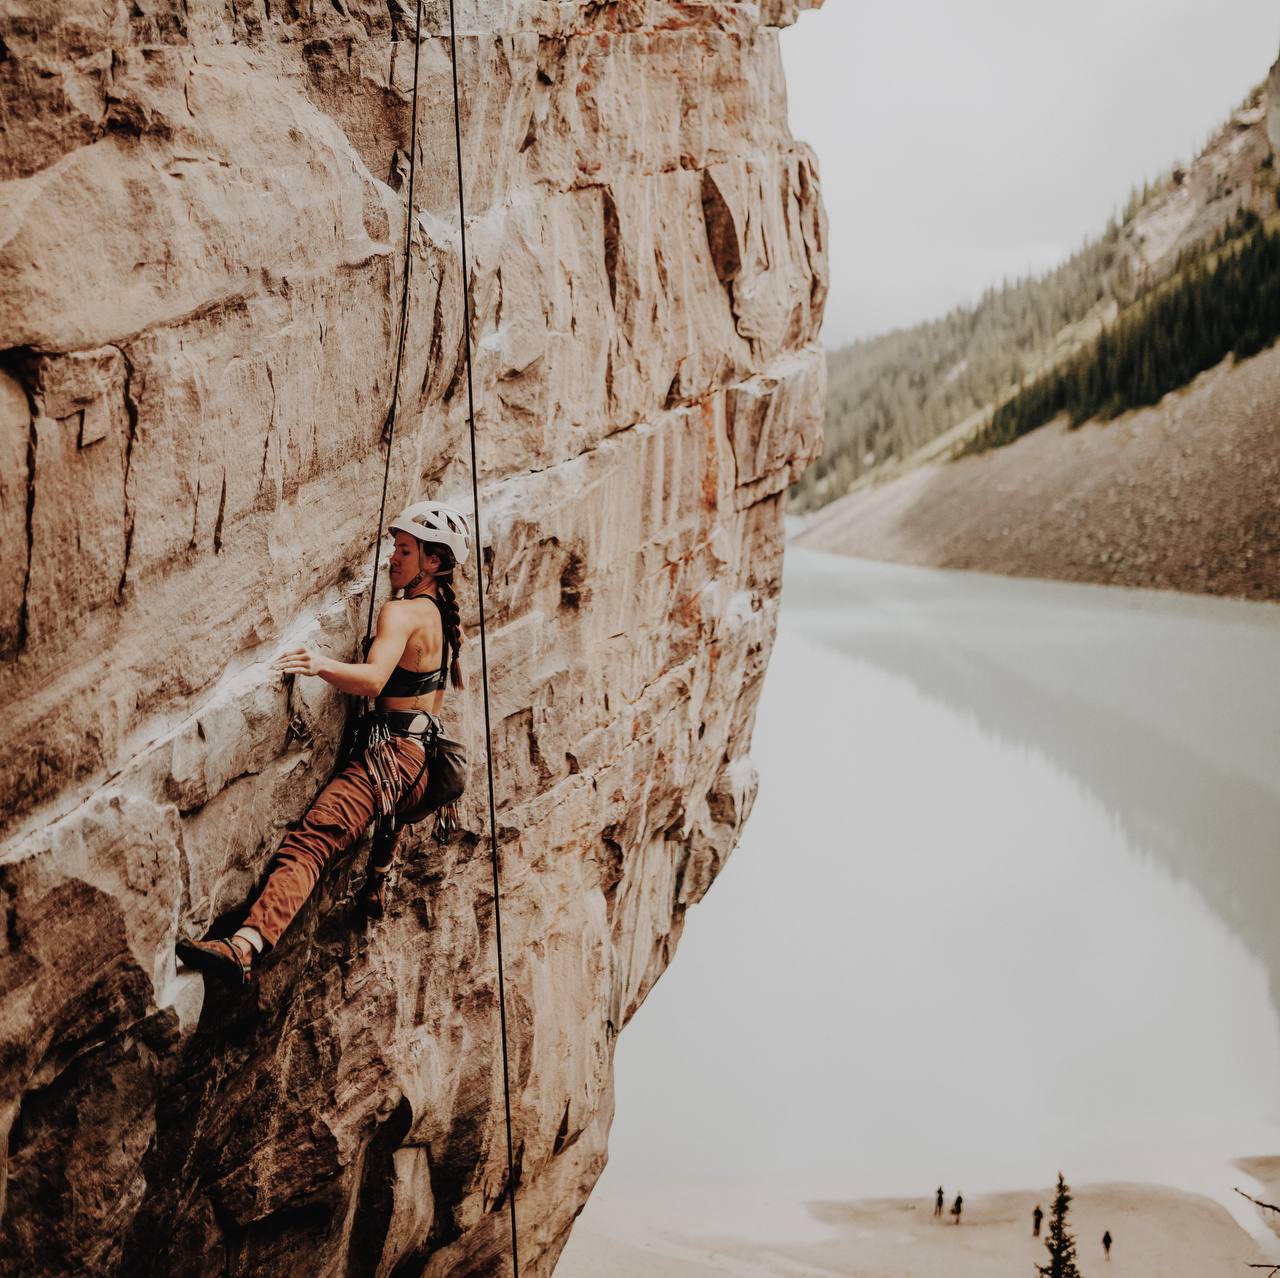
(199,281)
(1272,101)
(1233,172)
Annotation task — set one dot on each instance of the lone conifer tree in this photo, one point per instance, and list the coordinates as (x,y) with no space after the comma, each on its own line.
(1060,1243)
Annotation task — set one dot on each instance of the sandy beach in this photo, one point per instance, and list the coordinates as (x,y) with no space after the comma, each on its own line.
(1266,1171)
(1158,1232)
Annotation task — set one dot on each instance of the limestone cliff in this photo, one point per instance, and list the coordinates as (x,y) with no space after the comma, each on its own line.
(1273,106)
(201,214)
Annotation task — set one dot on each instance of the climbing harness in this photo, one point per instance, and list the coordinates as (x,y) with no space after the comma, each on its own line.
(444,530)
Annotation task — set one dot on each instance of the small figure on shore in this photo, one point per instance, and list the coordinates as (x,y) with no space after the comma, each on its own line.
(937,1206)
(1106,1244)
(1036,1217)
(957,1207)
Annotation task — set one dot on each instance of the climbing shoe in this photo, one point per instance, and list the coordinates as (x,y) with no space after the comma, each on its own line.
(376,894)
(218,958)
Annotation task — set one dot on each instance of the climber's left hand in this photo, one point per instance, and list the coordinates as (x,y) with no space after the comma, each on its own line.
(300,661)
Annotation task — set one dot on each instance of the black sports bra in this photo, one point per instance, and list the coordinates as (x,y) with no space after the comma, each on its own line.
(413,683)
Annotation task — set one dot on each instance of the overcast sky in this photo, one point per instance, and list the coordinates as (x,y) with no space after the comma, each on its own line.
(960,141)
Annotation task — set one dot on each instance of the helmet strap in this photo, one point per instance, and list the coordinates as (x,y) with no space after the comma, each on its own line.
(416,582)
(423,574)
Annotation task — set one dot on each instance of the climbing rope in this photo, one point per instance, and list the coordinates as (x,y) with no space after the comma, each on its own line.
(389,431)
(389,425)
(484,651)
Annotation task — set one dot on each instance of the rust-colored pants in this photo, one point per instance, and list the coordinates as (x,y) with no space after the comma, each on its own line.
(338,817)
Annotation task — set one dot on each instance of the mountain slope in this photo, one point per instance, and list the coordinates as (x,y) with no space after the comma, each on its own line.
(919,393)
(1184,496)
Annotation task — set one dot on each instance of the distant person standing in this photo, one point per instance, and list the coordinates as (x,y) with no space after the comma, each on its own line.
(1106,1244)
(957,1207)
(1036,1217)
(937,1205)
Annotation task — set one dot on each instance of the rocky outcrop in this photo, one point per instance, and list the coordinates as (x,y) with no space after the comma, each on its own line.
(202,210)
(1233,173)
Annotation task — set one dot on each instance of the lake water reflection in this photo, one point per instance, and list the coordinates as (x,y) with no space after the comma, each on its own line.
(1007,902)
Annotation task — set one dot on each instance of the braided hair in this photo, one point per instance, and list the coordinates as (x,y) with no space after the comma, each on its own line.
(449,614)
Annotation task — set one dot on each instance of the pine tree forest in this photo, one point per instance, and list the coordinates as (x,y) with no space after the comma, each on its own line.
(1227,302)
(890,395)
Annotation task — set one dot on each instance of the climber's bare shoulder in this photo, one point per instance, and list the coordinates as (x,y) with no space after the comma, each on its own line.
(413,628)
(423,633)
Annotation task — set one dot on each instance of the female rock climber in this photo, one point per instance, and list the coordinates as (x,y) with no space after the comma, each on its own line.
(418,638)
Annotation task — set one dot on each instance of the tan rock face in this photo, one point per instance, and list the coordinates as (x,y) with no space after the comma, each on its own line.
(202,212)
(1273,107)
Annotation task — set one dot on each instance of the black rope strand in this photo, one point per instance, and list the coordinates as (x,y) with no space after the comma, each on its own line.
(484,652)
(389,426)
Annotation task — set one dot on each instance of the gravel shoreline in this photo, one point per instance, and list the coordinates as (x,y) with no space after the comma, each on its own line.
(1181,496)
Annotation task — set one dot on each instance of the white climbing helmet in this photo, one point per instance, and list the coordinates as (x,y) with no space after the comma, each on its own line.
(434,522)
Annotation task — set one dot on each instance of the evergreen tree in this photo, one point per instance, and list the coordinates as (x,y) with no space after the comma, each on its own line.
(1227,302)
(1060,1243)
